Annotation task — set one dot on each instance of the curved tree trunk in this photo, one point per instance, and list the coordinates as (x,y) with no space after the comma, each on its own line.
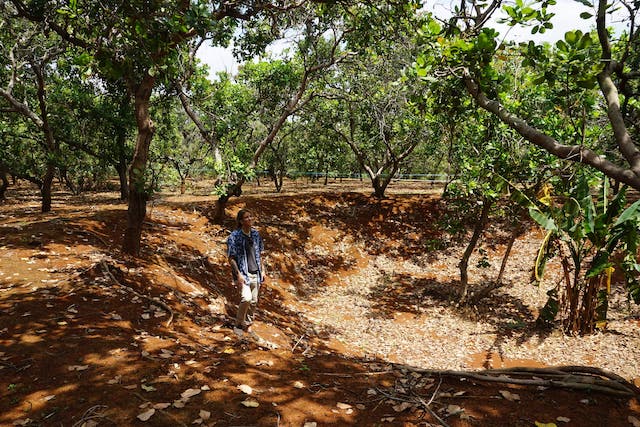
(137,209)
(221,203)
(477,232)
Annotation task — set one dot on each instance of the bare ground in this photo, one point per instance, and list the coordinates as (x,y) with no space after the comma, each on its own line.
(357,325)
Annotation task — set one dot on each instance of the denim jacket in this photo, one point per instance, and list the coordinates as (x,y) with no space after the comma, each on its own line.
(236,250)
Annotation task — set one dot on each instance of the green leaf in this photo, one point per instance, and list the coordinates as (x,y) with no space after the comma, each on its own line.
(510,11)
(585,41)
(630,213)
(599,264)
(545,221)
(434,27)
(571,37)
(585,15)
(589,214)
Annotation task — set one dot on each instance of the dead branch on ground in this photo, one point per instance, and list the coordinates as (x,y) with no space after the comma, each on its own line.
(105,267)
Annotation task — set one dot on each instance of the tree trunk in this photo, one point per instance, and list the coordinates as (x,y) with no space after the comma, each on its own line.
(137,209)
(378,189)
(221,203)
(45,188)
(477,232)
(277,179)
(219,210)
(505,257)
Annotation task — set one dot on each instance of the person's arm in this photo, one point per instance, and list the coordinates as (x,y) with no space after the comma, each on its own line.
(236,271)
(263,273)
(231,256)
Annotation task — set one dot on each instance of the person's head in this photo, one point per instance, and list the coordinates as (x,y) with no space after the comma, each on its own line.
(243,216)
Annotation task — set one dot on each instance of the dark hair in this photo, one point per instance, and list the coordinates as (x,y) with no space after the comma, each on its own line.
(239,216)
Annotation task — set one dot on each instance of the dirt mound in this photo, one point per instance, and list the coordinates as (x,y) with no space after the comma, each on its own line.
(355,326)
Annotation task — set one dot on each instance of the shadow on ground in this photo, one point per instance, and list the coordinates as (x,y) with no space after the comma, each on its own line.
(91,337)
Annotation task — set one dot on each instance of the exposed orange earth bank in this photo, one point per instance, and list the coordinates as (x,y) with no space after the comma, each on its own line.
(357,324)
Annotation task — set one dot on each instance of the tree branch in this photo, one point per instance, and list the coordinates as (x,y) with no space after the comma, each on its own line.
(573,153)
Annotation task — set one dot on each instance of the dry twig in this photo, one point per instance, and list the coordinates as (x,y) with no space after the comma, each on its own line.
(90,414)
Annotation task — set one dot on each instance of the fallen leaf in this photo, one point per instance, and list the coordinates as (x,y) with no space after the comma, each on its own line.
(454,409)
(298,384)
(146,415)
(48,398)
(228,350)
(190,393)
(539,424)
(341,405)
(197,421)
(78,367)
(250,403)
(361,406)
(264,362)
(566,420)
(245,389)
(205,415)
(387,419)
(310,424)
(163,405)
(634,421)
(402,406)
(147,387)
(460,393)
(205,388)
(511,397)
(178,404)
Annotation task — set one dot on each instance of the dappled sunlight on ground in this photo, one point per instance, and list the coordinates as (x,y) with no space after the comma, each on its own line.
(356,324)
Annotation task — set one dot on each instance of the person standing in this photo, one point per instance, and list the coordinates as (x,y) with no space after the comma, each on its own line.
(244,250)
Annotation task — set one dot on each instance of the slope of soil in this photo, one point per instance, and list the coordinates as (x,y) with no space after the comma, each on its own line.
(357,322)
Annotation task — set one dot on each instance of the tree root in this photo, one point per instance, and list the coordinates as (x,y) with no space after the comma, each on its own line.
(92,413)
(168,309)
(571,377)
